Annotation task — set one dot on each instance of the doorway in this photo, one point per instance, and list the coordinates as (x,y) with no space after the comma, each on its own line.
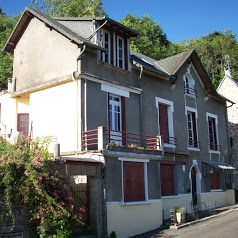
(194,186)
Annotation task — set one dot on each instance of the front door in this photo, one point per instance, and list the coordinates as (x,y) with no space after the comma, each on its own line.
(194,186)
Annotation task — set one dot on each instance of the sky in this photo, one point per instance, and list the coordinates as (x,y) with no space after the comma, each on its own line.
(179,19)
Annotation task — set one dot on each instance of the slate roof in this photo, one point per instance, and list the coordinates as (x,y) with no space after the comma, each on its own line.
(146,62)
(172,64)
(117,25)
(23,22)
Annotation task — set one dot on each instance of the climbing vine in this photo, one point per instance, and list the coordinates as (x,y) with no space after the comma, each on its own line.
(30,178)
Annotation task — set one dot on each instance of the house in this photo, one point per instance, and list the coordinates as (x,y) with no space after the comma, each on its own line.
(137,136)
(228,88)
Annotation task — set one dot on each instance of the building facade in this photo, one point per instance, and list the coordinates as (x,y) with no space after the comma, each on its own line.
(141,135)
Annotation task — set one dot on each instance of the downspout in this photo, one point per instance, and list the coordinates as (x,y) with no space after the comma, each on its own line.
(78,105)
(230,154)
(141,101)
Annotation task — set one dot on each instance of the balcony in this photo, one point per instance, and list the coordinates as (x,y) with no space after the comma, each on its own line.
(106,139)
(214,147)
(190,91)
(194,144)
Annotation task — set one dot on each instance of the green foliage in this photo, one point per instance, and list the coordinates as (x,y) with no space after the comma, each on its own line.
(71,8)
(212,49)
(152,41)
(28,177)
(6,26)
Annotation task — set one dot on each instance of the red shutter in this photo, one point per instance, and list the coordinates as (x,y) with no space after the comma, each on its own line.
(134,186)
(167,179)
(214,180)
(163,122)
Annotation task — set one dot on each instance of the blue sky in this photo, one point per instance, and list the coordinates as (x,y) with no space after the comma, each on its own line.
(180,20)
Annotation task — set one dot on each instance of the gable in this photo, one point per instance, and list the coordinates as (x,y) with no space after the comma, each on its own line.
(44,54)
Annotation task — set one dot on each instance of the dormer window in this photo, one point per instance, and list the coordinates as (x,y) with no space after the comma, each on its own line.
(189,85)
(105,43)
(120,53)
(116,44)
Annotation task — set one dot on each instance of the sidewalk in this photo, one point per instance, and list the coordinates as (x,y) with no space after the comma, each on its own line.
(156,233)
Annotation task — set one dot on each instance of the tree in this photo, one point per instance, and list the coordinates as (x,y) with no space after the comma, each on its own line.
(212,50)
(71,8)
(6,26)
(152,41)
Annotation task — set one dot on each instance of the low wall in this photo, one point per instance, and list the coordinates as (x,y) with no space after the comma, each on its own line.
(129,220)
(221,198)
(182,200)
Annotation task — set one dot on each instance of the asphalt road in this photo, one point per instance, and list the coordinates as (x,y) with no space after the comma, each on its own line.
(223,226)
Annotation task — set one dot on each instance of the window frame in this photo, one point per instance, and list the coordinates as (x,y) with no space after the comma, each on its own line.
(194,128)
(103,43)
(24,132)
(189,87)
(145,162)
(216,147)
(170,110)
(122,49)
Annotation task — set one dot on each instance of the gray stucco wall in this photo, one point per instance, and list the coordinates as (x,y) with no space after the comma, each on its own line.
(113,177)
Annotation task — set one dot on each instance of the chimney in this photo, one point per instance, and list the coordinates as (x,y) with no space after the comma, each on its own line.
(9,85)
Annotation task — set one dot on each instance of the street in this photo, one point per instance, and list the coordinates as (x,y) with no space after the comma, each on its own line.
(223,226)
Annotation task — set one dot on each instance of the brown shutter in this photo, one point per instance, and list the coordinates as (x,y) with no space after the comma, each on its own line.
(195,138)
(123,118)
(112,45)
(214,180)
(167,180)
(126,54)
(134,187)
(163,122)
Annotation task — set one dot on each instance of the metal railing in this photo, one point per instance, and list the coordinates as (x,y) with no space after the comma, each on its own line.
(213,146)
(190,91)
(91,139)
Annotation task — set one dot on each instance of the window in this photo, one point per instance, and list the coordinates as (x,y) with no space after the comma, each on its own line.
(23,123)
(117,46)
(116,111)
(167,179)
(115,122)
(165,121)
(135,181)
(189,85)
(105,42)
(192,130)
(120,53)
(214,180)
(212,132)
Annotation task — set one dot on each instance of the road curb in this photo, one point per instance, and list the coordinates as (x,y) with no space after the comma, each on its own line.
(203,219)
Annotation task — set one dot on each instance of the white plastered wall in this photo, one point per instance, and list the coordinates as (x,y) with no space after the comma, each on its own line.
(54,113)
(129,220)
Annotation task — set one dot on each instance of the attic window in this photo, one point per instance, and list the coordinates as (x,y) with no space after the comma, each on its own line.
(189,85)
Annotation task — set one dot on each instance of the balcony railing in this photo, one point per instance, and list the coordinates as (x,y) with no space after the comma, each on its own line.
(190,91)
(169,140)
(194,143)
(97,139)
(213,146)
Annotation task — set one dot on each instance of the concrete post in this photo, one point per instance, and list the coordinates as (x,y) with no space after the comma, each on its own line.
(160,143)
(56,151)
(102,137)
